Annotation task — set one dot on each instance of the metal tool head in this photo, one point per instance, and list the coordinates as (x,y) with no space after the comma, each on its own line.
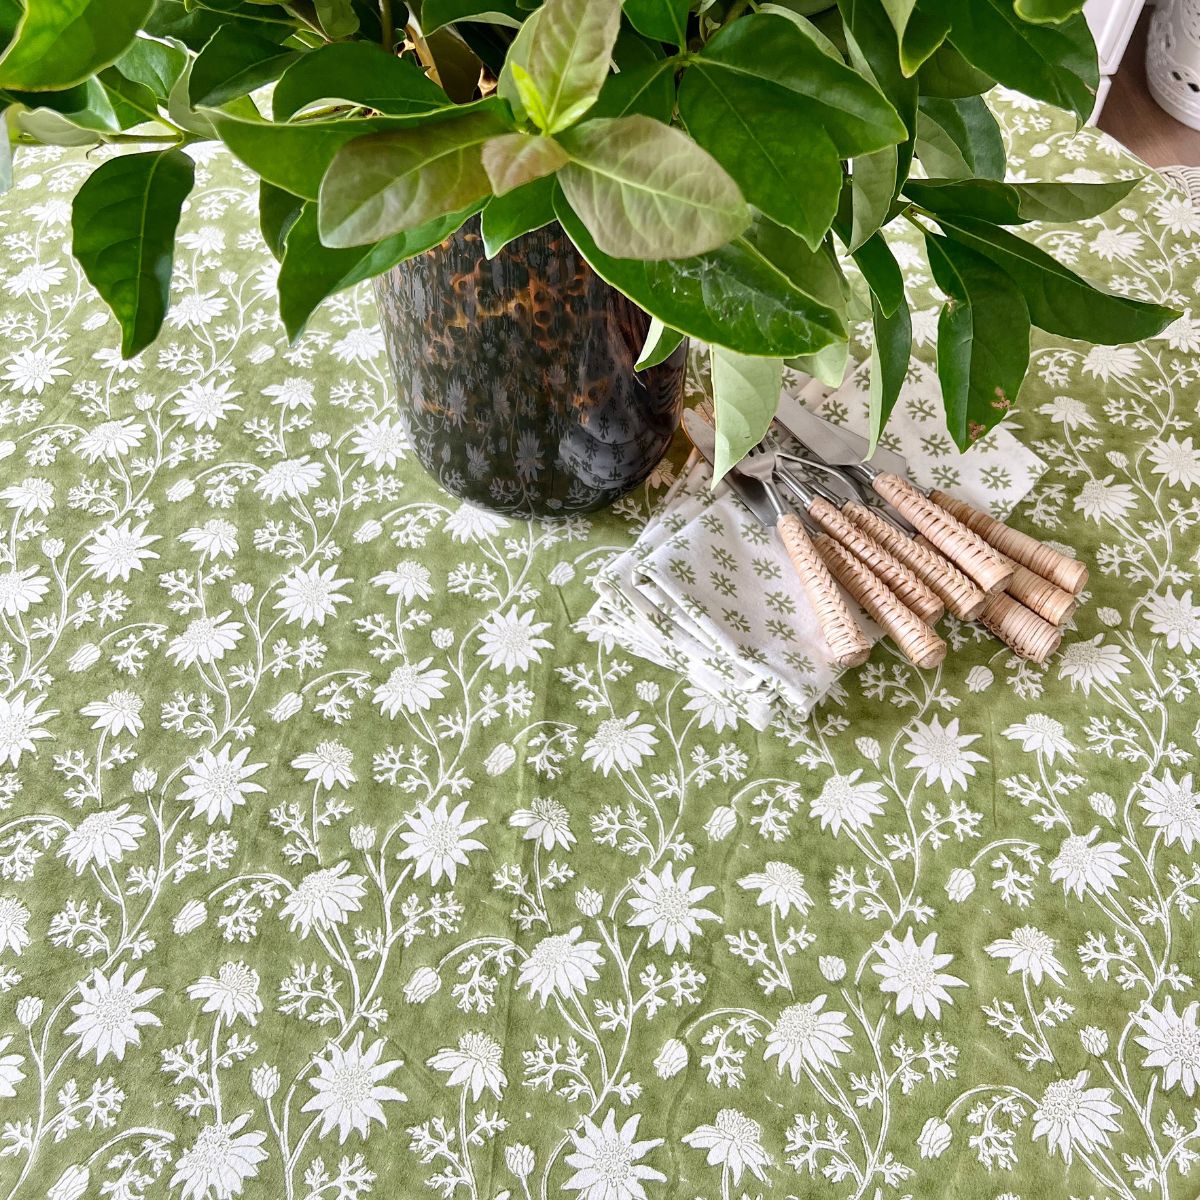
(834,443)
(756,495)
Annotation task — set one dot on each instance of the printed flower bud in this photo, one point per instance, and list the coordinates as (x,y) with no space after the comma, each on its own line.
(519,1160)
(227,278)
(648,691)
(423,983)
(29,1008)
(285,707)
(721,823)
(53,547)
(1109,616)
(1095,1040)
(589,901)
(319,440)
(362,837)
(88,655)
(144,780)
(181,489)
(979,679)
(869,748)
(832,967)
(672,1058)
(500,759)
(1103,805)
(368,531)
(265,1081)
(243,593)
(191,916)
(262,353)
(562,573)
(71,1184)
(7,447)
(960,884)
(144,402)
(934,1139)
(1118,459)
(443,639)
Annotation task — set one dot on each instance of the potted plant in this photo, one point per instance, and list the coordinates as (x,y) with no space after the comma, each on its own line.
(555,196)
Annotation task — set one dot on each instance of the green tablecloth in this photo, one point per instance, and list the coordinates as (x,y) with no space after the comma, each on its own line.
(334,863)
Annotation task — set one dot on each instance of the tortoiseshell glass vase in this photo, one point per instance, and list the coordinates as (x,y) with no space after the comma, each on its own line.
(515,375)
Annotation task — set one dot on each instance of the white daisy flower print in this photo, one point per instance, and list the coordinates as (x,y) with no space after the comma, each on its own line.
(35,279)
(360,344)
(21,726)
(119,712)
(217,538)
(292,394)
(349,1087)
(561,965)
(780,886)
(110,440)
(1111,362)
(1176,618)
(1177,461)
(290,479)
(1039,734)
(196,309)
(119,550)
(912,972)
(111,1013)
(232,992)
(102,838)
(473,1066)
(1089,664)
(734,1143)
(620,742)
(205,640)
(1173,1040)
(412,688)
(807,1038)
(220,1160)
(203,405)
(1082,864)
(29,496)
(219,783)
(408,580)
(1101,500)
(544,821)
(607,1161)
(438,840)
(1172,806)
(1118,242)
(1073,1116)
(14,925)
(21,590)
(940,753)
(324,898)
(1069,412)
(844,803)
(669,907)
(1030,952)
(309,596)
(10,1069)
(512,640)
(329,765)
(380,443)
(471,524)
(33,369)
(712,711)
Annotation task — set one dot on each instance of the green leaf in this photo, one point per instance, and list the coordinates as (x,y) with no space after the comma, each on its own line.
(643,82)
(745,399)
(782,160)
(85,106)
(828,365)
(1052,11)
(1055,63)
(458,66)
(646,190)
(133,103)
(59,43)
(337,18)
(389,183)
(194,26)
(508,217)
(233,63)
(959,139)
(517,158)
(310,271)
(732,296)
(357,73)
(532,101)
(436,13)
(983,339)
(947,75)
(1017,203)
(891,349)
(123,234)
(1059,300)
(663,20)
(278,211)
(565,48)
(659,345)
(872,187)
(155,65)
(880,269)
(919,32)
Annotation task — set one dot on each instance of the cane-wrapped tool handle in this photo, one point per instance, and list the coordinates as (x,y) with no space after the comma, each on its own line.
(1022,631)
(1051,603)
(1067,573)
(967,550)
(842,632)
(959,594)
(917,642)
(909,589)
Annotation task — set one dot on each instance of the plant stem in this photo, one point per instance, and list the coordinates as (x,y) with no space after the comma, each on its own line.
(389,26)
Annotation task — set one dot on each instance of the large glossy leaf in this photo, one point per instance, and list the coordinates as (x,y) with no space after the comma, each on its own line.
(732,296)
(336,17)
(1052,11)
(132,102)
(872,188)
(278,211)
(874,258)
(919,32)
(659,345)
(436,13)
(1056,63)
(891,348)
(1017,203)
(646,190)
(783,161)
(518,212)
(959,139)
(123,234)
(359,73)
(745,397)
(663,20)
(1059,300)
(389,183)
(983,339)
(947,75)
(59,43)
(643,82)
(86,106)
(194,26)
(233,63)
(513,159)
(155,65)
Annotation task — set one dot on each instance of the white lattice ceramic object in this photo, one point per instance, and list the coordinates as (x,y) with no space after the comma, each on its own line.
(1173,59)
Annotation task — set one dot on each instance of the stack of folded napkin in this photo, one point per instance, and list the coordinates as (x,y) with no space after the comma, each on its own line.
(709,592)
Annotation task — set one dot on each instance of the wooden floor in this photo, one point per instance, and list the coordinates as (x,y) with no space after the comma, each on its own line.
(1132,116)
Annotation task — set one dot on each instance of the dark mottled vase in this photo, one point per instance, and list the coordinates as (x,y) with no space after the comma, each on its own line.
(515,375)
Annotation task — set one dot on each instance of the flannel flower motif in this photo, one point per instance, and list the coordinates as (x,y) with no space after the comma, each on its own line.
(14,925)
(1176,618)
(511,640)
(1172,806)
(219,1161)
(329,765)
(10,1069)
(1039,734)
(1173,1040)
(309,596)
(940,753)
(1089,664)
(1073,1116)
(620,742)
(205,640)
(21,590)
(844,803)
(733,1142)
(669,907)
(561,965)
(110,440)
(439,840)
(804,1037)
(102,838)
(474,1065)
(780,886)
(349,1088)
(324,898)
(219,783)
(1028,951)
(111,1013)
(606,1160)
(119,550)
(912,972)
(544,821)
(1082,864)
(232,992)
(119,712)
(21,721)
(411,688)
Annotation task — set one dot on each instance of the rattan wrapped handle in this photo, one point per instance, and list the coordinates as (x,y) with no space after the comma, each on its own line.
(847,642)
(909,589)
(967,550)
(1067,573)
(1051,603)
(1022,631)
(959,594)
(916,641)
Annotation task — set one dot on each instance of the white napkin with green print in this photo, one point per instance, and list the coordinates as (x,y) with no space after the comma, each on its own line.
(710,592)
